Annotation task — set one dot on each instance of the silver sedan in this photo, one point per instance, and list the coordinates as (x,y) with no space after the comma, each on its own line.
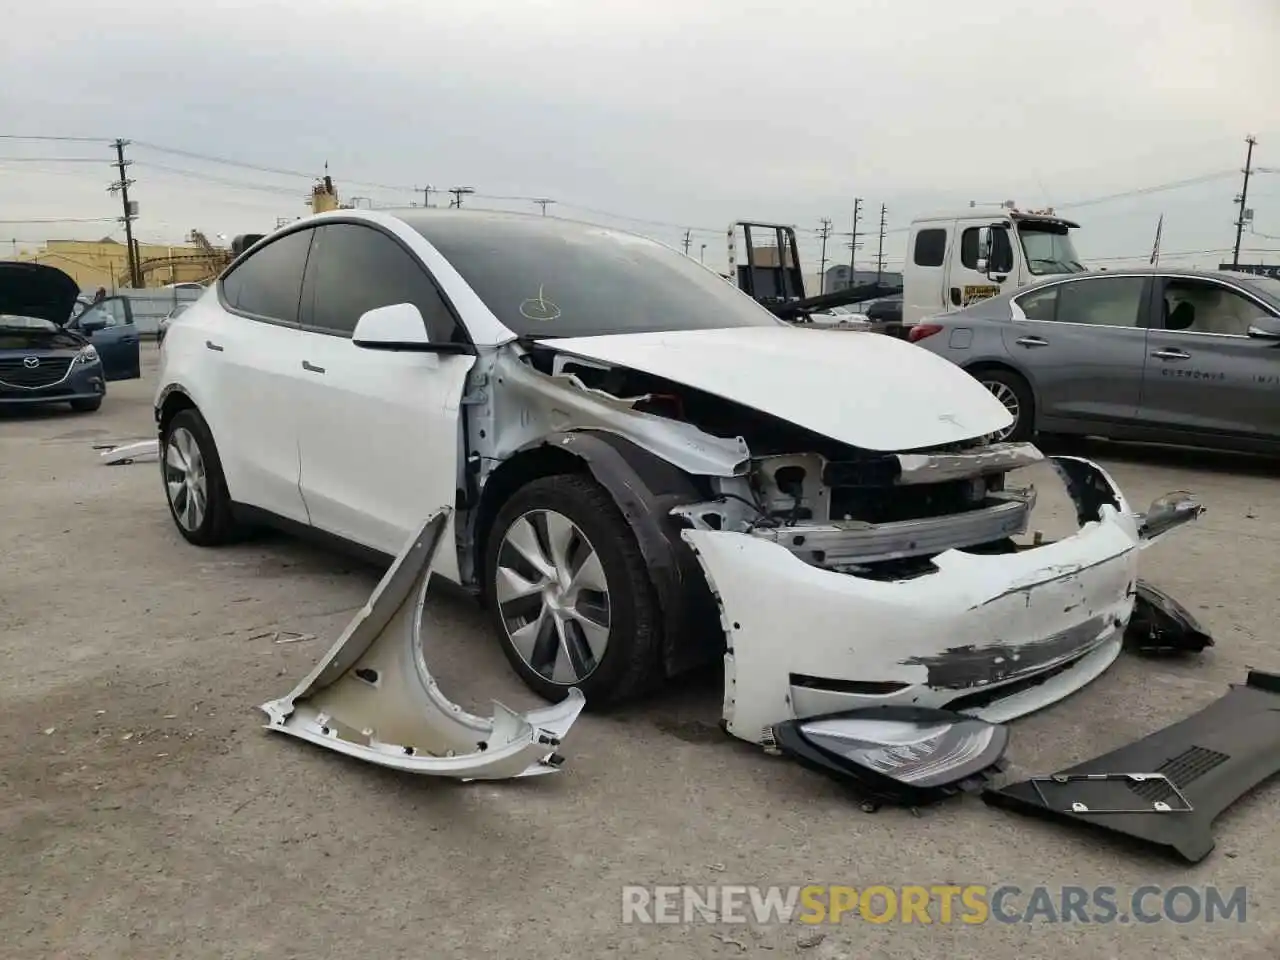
(1166,356)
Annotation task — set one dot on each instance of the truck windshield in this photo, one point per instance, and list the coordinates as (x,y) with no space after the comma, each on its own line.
(1048,249)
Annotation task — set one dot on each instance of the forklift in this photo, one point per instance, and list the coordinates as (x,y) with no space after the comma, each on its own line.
(779,286)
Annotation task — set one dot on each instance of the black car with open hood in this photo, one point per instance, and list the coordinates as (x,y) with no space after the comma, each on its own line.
(42,360)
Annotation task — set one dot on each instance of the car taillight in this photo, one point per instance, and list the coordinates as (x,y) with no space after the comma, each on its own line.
(922,330)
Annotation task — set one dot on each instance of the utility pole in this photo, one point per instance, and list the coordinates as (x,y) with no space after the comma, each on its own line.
(880,250)
(853,237)
(542,202)
(427,191)
(822,267)
(687,240)
(458,194)
(702,254)
(130,212)
(1241,200)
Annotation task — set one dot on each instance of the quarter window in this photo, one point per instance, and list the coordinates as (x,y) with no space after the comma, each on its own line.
(356,269)
(269,283)
(931,248)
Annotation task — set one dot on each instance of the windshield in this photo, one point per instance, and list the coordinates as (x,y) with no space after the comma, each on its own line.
(1269,287)
(13,322)
(1048,249)
(545,277)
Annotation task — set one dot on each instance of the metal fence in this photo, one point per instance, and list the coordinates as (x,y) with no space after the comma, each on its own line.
(151,305)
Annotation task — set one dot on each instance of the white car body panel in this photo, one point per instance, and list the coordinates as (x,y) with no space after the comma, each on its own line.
(876,393)
(395,417)
(976,624)
(372,696)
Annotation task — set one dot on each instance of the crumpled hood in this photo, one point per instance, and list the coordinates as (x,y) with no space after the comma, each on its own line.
(864,389)
(37,290)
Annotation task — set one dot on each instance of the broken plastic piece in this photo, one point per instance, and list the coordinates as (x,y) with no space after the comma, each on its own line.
(1167,513)
(1160,626)
(131,452)
(1048,788)
(1210,760)
(909,756)
(373,698)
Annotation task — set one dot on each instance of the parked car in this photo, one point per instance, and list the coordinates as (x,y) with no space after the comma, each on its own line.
(109,326)
(168,318)
(43,360)
(1173,356)
(638,463)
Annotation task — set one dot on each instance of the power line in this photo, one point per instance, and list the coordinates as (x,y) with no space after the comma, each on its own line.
(52,160)
(64,220)
(14,136)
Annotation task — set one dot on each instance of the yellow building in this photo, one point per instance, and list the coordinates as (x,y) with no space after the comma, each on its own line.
(105,263)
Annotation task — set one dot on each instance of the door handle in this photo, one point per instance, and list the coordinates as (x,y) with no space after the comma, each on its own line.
(1031,342)
(210,345)
(312,367)
(1170,354)
(955,296)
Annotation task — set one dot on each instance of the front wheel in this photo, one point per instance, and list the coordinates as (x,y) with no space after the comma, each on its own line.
(193,481)
(570,593)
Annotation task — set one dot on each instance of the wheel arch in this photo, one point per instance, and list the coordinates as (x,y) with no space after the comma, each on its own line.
(977,367)
(645,488)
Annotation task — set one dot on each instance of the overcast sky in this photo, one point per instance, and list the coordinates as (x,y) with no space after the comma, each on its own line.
(691,113)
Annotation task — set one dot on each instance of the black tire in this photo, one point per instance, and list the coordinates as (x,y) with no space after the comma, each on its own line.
(216,525)
(630,663)
(86,405)
(1004,383)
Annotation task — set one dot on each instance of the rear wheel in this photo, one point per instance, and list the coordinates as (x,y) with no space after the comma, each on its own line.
(570,594)
(1015,394)
(193,481)
(86,405)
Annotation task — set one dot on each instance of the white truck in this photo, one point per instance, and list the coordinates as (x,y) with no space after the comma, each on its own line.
(955,259)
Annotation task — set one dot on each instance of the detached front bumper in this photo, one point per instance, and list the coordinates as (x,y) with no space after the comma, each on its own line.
(996,636)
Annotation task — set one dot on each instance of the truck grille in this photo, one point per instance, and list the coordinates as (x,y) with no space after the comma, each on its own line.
(17,372)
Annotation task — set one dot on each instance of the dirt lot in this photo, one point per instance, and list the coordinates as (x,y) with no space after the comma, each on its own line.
(147,814)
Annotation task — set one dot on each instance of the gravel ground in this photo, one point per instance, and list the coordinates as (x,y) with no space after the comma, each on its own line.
(147,813)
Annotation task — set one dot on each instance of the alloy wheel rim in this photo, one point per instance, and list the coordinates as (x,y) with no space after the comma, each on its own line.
(185,479)
(553,596)
(1004,393)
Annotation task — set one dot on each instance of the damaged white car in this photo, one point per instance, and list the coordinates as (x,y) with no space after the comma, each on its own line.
(642,469)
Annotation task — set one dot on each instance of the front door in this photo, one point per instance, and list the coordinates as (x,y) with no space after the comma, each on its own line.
(982,265)
(380,431)
(1083,344)
(1204,373)
(109,326)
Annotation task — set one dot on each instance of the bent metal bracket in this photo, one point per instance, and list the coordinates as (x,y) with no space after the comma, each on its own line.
(373,698)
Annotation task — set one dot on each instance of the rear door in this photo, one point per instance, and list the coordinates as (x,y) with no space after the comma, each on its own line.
(380,430)
(1083,343)
(1203,371)
(252,346)
(109,326)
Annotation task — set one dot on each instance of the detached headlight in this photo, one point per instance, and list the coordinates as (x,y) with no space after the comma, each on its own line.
(907,755)
(87,355)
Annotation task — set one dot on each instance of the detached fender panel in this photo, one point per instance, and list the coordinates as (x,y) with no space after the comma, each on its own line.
(1212,758)
(373,698)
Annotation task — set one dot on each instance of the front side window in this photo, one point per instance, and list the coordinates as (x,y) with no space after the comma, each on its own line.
(109,313)
(1202,306)
(269,283)
(355,269)
(545,277)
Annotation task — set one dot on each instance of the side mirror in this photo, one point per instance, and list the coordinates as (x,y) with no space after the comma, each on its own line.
(92,324)
(398,326)
(1265,327)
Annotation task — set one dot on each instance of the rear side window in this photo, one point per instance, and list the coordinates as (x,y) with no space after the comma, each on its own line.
(931,248)
(269,283)
(355,269)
